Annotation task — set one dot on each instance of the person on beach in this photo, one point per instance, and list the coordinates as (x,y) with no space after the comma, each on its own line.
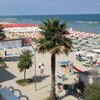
(5,52)
(91,61)
(59,87)
(42,70)
(80,57)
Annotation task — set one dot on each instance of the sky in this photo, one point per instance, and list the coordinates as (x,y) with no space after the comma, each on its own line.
(49,7)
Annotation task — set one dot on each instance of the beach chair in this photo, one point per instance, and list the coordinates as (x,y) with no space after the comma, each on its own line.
(61,75)
(85,63)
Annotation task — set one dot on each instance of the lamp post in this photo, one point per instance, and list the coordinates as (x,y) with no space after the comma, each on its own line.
(34,64)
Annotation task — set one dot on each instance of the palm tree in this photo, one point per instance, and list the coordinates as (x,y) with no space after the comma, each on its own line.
(53,40)
(2,35)
(25,62)
(2,63)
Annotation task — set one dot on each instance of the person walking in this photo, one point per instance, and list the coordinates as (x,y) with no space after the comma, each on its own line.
(59,87)
(5,52)
(42,70)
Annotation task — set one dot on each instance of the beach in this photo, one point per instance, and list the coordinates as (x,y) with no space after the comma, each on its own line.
(15,31)
(43,86)
(50,50)
(84,43)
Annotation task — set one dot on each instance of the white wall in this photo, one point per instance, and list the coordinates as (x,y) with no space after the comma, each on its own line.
(10,44)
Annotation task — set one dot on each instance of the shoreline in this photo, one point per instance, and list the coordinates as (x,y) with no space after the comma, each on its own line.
(13,31)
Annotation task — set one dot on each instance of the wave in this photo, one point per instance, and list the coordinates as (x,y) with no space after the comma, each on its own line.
(88,22)
(10,19)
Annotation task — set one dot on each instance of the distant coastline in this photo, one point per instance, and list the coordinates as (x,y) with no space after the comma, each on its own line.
(88,22)
(51,14)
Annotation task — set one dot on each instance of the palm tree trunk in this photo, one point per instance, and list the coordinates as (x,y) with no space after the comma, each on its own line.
(53,76)
(25,74)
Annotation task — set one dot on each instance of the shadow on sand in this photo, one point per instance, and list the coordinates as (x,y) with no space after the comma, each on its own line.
(43,87)
(9,59)
(39,78)
(5,75)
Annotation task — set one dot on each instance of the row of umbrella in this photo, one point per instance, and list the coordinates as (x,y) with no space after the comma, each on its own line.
(22,29)
(77,34)
(11,25)
(23,35)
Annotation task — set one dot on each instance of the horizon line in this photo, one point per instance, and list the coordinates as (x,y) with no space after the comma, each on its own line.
(49,14)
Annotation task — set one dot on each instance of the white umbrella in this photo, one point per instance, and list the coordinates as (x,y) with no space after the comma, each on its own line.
(79,52)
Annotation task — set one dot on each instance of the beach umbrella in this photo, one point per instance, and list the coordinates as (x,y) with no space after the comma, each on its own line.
(79,52)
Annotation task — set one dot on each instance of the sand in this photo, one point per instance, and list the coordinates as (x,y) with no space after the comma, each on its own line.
(9,76)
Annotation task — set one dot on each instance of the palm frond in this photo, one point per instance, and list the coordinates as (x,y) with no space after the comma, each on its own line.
(54,40)
(2,35)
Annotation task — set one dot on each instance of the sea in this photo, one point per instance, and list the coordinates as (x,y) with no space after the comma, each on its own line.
(79,22)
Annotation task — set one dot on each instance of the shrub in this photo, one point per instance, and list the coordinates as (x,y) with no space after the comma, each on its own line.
(92,92)
(24,82)
(65,86)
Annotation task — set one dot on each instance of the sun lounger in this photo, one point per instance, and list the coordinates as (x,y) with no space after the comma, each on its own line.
(85,63)
(81,58)
(61,75)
